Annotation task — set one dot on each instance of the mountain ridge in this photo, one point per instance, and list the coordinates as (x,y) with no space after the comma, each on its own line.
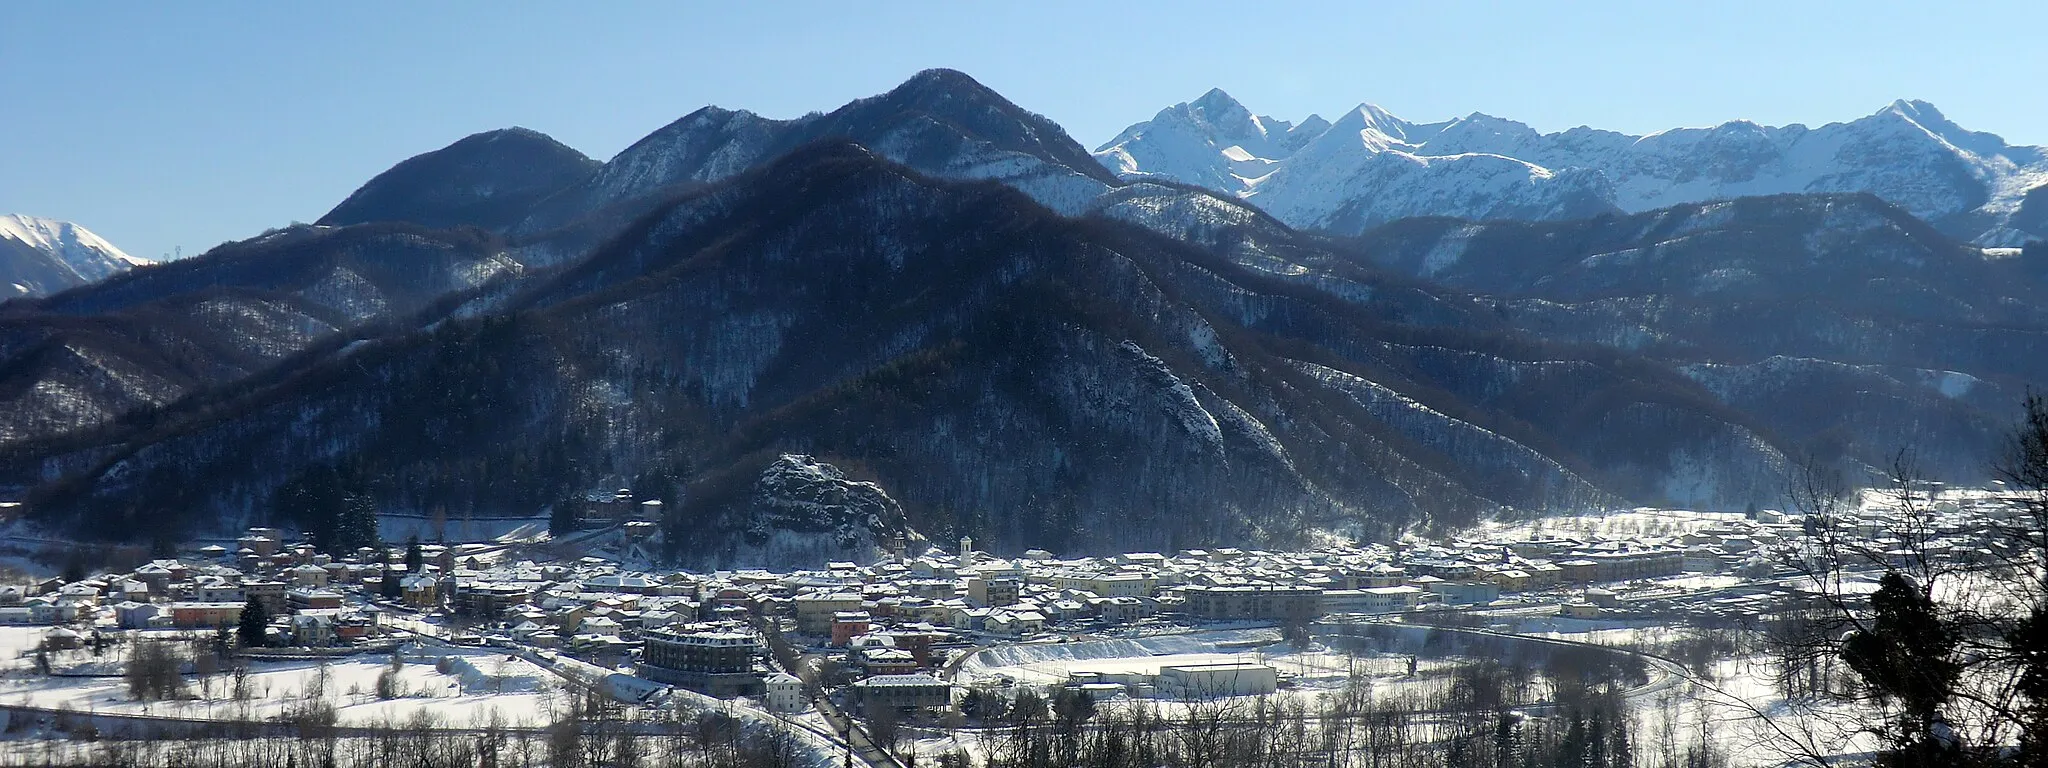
(1096,372)
(1972,184)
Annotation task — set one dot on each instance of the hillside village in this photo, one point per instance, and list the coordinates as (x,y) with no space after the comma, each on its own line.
(892,633)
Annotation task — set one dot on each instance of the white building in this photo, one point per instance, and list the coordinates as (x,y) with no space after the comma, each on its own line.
(785,693)
(1206,681)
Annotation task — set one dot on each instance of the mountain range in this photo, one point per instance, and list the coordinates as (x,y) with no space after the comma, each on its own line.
(931,313)
(1369,167)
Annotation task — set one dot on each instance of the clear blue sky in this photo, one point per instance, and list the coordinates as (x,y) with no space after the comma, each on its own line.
(186,124)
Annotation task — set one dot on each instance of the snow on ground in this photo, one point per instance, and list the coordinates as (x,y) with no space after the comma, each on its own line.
(478,687)
(1309,670)
(1621,523)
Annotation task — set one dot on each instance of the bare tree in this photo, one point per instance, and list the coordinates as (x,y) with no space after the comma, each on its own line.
(154,668)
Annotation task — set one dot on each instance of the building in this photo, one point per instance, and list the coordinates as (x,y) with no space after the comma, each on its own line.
(1014,623)
(1468,592)
(710,659)
(205,615)
(847,625)
(1639,564)
(420,591)
(919,691)
(1122,585)
(1242,603)
(305,599)
(1122,609)
(269,593)
(134,615)
(309,575)
(1207,681)
(485,600)
(888,661)
(313,630)
(992,593)
(1371,600)
(814,611)
(783,693)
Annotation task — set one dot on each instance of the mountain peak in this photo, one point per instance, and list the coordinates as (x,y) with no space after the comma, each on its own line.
(1376,116)
(1215,101)
(944,76)
(1370,118)
(938,81)
(1916,109)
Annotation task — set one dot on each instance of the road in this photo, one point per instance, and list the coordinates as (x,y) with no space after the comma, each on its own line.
(863,747)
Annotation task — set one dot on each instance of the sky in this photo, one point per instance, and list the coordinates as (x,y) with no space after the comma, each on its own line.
(172,127)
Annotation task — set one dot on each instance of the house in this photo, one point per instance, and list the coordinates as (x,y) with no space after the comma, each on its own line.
(309,575)
(63,639)
(784,693)
(156,575)
(1014,623)
(420,591)
(1122,609)
(134,615)
(313,629)
(82,593)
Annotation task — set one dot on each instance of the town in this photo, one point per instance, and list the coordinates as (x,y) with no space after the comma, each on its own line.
(839,654)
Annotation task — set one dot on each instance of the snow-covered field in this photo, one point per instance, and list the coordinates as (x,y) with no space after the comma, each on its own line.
(471,687)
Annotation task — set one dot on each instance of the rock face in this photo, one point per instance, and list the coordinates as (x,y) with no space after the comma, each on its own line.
(39,257)
(1369,167)
(807,511)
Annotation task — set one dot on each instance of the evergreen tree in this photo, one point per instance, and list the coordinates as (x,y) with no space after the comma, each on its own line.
(253,630)
(74,567)
(335,512)
(415,560)
(562,518)
(1906,654)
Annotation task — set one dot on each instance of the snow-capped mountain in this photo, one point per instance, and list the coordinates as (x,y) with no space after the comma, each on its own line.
(1370,166)
(43,256)
(1212,142)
